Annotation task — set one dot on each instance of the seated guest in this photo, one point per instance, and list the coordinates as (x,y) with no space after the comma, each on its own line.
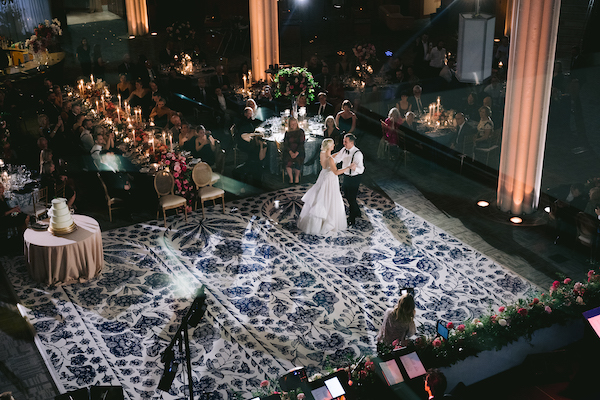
(42,144)
(50,108)
(124,87)
(220,80)
(266,99)
(293,150)
(252,104)
(66,111)
(58,96)
(462,136)
(153,88)
(222,110)
(314,65)
(251,171)
(11,217)
(86,138)
(391,126)
(302,101)
(127,68)
(403,105)
(98,147)
(331,131)
(593,202)
(485,128)
(418,103)
(49,132)
(323,79)
(199,93)
(141,97)
(470,106)
(435,385)
(176,123)
(398,322)
(45,156)
(246,124)
(50,179)
(335,92)
(167,55)
(411,77)
(147,72)
(72,119)
(202,146)
(161,113)
(322,107)
(185,134)
(409,121)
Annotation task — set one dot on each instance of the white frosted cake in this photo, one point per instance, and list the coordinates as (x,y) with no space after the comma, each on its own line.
(61,219)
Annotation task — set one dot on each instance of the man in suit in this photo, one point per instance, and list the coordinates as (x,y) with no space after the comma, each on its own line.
(419,104)
(127,68)
(167,55)
(421,50)
(322,107)
(324,78)
(463,136)
(220,80)
(147,73)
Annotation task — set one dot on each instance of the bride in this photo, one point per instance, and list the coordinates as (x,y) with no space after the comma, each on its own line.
(323,210)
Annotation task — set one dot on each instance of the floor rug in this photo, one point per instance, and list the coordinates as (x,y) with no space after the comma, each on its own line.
(277,298)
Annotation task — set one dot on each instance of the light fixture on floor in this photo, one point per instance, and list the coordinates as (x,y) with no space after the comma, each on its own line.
(131,37)
(154,33)
(483,203)
(516,220)
(547,209)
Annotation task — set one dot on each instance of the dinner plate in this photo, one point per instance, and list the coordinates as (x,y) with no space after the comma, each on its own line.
(39,226)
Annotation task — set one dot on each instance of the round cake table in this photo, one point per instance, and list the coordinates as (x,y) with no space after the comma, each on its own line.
(75,257)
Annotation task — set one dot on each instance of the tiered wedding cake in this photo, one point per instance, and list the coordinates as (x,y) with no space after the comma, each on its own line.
(61,220)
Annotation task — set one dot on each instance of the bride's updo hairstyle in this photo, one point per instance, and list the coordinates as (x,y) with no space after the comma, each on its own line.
(326,144)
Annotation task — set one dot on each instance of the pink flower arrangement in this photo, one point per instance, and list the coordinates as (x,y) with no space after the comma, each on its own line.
(522,311)
(184,186)
(436,343)
(460,328)
(501,309)
(264,384)
(536,300)
(450,325)
(567,281)
(548,309)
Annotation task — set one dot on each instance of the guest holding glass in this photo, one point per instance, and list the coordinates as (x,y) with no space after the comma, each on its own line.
(332,131)
(293,150)
(346,119)
(398,322)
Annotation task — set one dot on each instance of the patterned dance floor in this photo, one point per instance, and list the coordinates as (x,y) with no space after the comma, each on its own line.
(276,298)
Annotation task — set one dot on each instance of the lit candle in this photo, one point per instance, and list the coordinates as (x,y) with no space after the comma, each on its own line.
(500,64)
(92,79)
(119,97)
(97,106)
(249,77)
(171,140)
(133,136)
(244,77)
(164,138)
(118,116)
(152,141)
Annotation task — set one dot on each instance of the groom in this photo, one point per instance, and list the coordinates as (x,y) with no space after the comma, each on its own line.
(348,155)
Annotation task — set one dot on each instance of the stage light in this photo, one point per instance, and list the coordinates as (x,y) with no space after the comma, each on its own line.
(131,37)
(154,33)
(516,220)
(483,203)
(168,376)
(547,209)
(389,53)
(198,308)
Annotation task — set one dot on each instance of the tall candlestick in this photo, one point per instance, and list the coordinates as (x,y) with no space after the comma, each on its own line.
(119,97)
(118,116)
(244,78)
(97,106)
(171,140)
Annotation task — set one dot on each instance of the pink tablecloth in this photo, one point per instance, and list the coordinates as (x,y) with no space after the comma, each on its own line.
(76,257)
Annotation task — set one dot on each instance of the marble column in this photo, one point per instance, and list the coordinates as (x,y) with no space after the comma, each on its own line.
(529,83)
(137,17)
(264,37)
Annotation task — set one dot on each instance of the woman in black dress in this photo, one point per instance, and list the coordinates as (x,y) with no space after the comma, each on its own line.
(83,56)
(293,150)
(346,119)
(141,97)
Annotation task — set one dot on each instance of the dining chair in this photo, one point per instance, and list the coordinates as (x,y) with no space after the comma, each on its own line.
(202,176)
(496,135)
(234,146)
(280,159)
(40,202)
(59,189)
(113,203)
(587,232)
(164,184)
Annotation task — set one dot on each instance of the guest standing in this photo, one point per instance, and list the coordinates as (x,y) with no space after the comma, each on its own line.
(83,56)
(293,150)
(99,65)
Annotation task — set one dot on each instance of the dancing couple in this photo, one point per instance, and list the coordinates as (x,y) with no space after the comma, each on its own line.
(323,210)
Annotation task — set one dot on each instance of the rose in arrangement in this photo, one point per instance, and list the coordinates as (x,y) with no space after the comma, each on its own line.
(292,82)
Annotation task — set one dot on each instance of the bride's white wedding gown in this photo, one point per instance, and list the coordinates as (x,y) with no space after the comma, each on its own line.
(323,210)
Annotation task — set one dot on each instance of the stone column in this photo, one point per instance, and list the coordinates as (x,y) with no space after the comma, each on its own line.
(137,17)
(529,82)
(264,36)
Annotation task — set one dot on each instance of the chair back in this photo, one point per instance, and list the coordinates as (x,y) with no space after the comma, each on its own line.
(106,195)
(59,189)
(164,183)
(587,228)
(202,174)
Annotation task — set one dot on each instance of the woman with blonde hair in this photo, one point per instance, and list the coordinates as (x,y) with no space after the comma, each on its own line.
(398,322)
(323,212)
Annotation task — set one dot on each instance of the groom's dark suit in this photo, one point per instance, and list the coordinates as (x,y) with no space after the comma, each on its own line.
(352,178)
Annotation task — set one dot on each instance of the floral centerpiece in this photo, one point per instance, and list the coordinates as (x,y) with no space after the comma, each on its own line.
(365,55)
(292,82)
(181,31)
(45,36)
(183,175)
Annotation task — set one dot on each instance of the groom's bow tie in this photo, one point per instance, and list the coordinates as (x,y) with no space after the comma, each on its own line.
(346,151)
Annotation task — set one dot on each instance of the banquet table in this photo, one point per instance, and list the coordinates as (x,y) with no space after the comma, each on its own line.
(442,135)
(274,134)
(75,257)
